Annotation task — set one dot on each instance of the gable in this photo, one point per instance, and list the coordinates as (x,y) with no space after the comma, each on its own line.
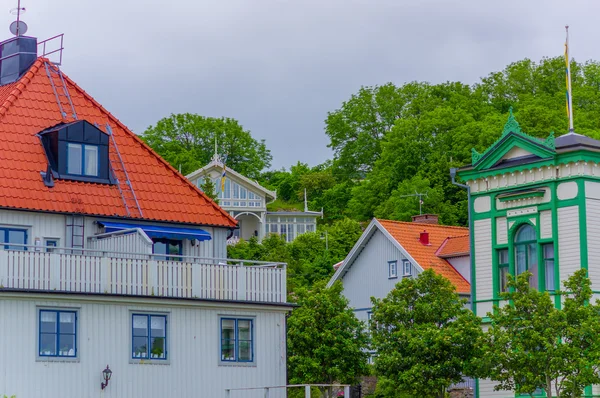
(513,147)
(161,193)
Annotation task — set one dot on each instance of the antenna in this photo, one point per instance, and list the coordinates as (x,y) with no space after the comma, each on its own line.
(18,27)
(420,196)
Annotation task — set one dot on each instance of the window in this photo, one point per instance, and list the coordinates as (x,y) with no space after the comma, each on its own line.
(548,250)
(503,269)
(237,338)
(82,159)
(392,269)
(407,267)
(57,333)
(13,235)
(171,249)
(50,244)
(526,253)
(149,336)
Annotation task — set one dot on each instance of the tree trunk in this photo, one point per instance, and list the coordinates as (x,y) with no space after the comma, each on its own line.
(548,387)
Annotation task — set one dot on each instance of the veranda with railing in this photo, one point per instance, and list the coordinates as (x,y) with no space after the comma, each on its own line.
(37,268)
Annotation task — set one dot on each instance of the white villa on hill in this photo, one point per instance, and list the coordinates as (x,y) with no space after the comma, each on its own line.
(246,201)
(111,259)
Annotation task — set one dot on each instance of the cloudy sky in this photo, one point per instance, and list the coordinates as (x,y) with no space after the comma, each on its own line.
(278,66)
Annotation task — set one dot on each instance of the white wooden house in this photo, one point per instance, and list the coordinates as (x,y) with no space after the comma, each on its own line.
(109,256)
(247,201)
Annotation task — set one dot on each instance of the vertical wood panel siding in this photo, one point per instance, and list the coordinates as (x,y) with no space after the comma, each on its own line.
(483,259)
(219,241)
(569,254)
(593,239)
(127,243)
(104,334)
(501,231)
(38,225)
(368,274)
(546,224)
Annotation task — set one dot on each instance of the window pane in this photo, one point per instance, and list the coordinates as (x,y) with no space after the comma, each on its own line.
(227,189)
(140,325)
(503,256)
(16,236)
(227,350)
(521,258)
(300,228)
(526,233)
(244,330)
(67,322)
(91,160)
(245,351)
(140,347)
(48,322)
(549,251)
(310,228)
(503,279)
(227,329)
(66,345)
(47,344)
(74,159)
(158,348)
(157,326)
(550,275)
(243,193)
(532,264)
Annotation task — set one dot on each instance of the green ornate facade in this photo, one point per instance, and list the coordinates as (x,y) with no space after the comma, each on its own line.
(535,205)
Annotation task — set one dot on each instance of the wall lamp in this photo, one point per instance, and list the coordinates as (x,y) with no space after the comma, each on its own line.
(106,373)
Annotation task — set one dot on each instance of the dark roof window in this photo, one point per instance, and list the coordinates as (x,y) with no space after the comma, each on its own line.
(78,151)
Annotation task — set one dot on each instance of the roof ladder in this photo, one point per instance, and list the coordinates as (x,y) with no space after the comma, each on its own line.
(132,205)
(61,91)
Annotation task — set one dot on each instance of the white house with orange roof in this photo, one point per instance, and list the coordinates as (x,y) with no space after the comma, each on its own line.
(114,279)
(389,251)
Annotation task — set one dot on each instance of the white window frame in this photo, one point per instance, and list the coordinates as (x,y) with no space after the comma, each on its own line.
(393,269)
(406,268)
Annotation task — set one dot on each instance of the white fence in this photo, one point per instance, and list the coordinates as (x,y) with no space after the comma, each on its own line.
(114,273)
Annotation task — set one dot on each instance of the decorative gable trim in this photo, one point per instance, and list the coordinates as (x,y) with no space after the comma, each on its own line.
(521,194)
(512,136)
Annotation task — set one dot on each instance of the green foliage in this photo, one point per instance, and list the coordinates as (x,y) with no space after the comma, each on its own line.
(424,336)
(326,343)
(209,189)
(187,141)
(533,345)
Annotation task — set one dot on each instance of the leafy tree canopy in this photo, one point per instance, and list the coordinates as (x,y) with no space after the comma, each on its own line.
(326,343)
(187,140)
(424,336)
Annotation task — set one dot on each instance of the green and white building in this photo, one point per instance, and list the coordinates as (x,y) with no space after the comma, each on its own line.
(535,205)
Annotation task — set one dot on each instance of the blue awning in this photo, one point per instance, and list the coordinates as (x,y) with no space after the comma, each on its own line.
(159,231)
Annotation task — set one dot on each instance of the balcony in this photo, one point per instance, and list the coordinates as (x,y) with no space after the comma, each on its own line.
(32,268)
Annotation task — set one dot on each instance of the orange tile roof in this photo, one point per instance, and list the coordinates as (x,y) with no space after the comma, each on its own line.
(454,246)
(29,106)
(407,234)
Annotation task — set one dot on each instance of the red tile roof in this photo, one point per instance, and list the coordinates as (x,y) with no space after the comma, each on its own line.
(29,106)
(454,246)
(407,234)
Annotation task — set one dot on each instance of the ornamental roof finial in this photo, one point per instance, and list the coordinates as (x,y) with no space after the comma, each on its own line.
(511,124)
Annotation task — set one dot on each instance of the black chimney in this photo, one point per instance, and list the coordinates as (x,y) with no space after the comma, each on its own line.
(16,56)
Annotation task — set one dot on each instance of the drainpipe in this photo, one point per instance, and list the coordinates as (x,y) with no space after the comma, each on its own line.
(471,251)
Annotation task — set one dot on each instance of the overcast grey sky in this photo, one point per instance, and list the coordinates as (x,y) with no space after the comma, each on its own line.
(278,66)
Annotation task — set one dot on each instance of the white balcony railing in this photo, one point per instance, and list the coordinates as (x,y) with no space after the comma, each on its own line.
(140,274)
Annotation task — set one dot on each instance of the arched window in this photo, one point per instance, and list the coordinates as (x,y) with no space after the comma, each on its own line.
(526,258)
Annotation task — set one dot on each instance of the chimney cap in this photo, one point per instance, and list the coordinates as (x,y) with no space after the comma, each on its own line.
(424,238)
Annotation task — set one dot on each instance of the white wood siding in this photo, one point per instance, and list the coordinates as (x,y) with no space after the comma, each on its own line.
(462,265)
(593,239)
(368,275)
(219,241)
(133,242)
(546,224)
(104,338)
(501,231)
(38,225)
(486,390)
(483,260)
(569,253)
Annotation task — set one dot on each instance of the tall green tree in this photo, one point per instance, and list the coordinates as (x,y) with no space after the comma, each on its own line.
(326,343)
(424,336)
(187,141)
(532,346)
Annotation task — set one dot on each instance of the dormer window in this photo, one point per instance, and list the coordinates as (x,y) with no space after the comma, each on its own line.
(82,159)
(77,151)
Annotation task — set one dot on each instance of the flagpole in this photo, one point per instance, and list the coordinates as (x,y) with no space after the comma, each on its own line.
(570,95)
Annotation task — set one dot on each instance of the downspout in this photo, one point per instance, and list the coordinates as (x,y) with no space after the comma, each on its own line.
(453,171)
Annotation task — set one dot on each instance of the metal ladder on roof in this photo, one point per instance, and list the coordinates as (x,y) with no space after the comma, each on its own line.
(61,91)
(132,206)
